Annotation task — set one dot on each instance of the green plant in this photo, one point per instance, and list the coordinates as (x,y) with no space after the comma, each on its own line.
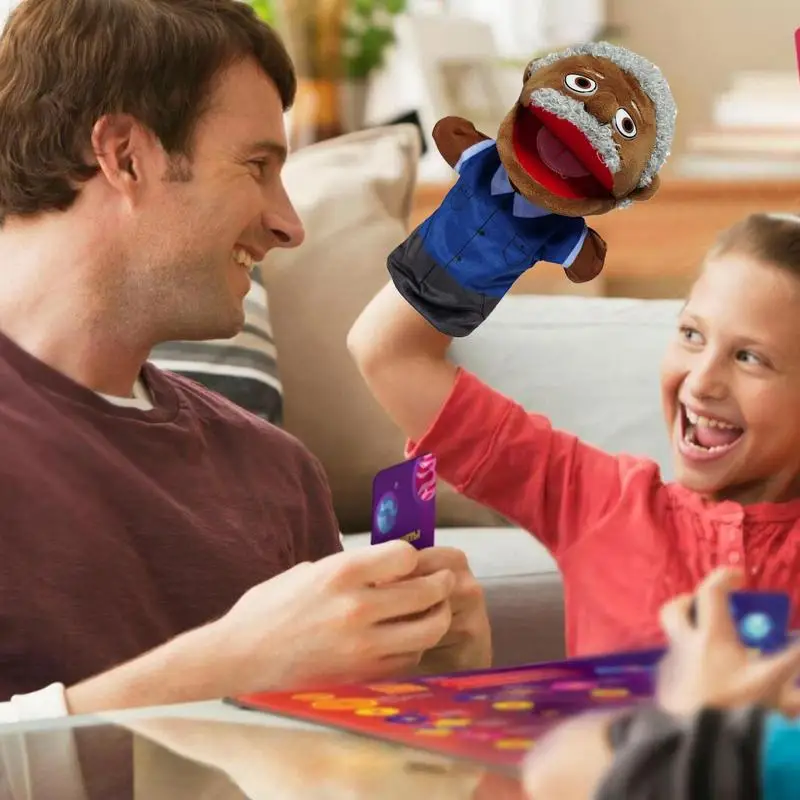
(367,32)
(265,9)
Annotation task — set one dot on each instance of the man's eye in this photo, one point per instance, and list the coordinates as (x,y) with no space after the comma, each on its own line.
(260,166)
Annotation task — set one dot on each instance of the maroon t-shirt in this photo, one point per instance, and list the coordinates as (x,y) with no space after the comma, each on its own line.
(120,528)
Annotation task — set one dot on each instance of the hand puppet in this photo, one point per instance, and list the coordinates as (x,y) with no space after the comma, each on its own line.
(589,133)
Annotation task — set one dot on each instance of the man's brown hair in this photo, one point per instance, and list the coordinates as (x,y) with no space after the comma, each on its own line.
(66,63)
(771,238)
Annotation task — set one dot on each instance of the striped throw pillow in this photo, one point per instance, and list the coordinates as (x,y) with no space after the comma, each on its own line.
(243,368)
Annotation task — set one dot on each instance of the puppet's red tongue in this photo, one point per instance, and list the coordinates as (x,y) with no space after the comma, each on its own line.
(557,156)
(574,142)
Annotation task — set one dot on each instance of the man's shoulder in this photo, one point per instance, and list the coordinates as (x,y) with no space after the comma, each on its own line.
(221,414)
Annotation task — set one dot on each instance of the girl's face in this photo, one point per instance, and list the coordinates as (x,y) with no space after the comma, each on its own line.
(730,383)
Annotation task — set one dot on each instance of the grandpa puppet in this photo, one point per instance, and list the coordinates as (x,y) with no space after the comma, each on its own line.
(589,133)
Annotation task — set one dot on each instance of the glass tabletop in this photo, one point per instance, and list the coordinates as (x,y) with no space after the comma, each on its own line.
(217,753)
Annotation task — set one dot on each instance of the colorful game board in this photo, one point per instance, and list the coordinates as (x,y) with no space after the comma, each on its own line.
(492,717)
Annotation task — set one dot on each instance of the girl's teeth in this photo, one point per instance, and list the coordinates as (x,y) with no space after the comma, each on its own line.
(708,422)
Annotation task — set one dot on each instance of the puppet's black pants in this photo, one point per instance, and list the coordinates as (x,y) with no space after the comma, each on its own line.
(452,309)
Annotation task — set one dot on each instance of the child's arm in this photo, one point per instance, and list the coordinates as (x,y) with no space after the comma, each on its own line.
(487,446)
(403,360)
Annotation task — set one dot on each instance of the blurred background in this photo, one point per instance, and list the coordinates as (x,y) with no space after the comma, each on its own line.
(731,64)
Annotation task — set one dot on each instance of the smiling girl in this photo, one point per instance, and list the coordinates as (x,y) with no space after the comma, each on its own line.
(625,540)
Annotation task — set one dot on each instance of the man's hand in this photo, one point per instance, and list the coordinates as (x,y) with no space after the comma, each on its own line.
(708,666)
(468,642)
(357,615)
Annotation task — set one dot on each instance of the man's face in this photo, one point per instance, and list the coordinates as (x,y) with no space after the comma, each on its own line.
(579,137)
(202,227)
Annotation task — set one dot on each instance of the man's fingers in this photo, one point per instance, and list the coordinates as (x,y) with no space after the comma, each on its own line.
(713,601)
(416,635)
(410,597)
(674,616)
(433,559)
(366,566)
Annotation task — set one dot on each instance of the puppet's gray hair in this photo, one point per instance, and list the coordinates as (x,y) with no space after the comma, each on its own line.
(653,84)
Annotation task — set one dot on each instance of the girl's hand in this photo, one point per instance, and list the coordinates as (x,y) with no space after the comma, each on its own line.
(708,666)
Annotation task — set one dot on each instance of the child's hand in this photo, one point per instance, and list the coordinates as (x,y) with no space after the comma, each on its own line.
(707,665)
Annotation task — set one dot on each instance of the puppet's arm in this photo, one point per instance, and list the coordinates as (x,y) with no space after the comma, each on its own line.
(589,262)
(453,135)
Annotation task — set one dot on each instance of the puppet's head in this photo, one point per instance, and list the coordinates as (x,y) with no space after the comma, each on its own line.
(590,131)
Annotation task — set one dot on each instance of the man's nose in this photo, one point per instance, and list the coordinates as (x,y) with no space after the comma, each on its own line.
(603,106)
(283,222)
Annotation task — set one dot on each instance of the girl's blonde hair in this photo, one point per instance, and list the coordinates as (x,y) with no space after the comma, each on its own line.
(771,238)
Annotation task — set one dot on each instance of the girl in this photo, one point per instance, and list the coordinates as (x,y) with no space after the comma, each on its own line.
(626,541)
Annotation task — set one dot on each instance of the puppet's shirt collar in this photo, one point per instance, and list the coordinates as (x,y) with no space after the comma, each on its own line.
(522,207)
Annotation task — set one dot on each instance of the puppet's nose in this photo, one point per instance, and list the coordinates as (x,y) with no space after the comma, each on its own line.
(603,106)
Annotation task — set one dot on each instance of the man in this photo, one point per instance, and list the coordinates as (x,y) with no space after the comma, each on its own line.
(158,544)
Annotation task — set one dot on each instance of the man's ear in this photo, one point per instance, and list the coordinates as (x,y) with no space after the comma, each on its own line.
(645,192)
(118,141)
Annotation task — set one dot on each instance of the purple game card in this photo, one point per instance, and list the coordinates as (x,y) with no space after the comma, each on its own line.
(762,619)
(404,502)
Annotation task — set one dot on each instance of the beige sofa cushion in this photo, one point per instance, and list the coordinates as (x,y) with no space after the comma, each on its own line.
(354,195)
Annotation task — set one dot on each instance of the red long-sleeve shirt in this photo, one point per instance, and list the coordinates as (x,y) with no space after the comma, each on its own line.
(624,540)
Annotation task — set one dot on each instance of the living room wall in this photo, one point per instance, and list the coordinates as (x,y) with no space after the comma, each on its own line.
(700,44)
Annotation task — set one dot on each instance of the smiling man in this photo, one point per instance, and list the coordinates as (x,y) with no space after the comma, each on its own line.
(158,543)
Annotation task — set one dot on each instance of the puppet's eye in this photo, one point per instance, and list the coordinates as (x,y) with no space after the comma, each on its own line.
(580,84)
(624,123)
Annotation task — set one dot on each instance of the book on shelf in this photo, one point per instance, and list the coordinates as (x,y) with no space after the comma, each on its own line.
(754,131)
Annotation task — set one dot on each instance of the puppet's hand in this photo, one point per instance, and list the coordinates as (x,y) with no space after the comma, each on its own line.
(453,135)
(589,262)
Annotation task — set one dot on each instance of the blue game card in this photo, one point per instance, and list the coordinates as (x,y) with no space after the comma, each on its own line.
(762,619)
(404,502)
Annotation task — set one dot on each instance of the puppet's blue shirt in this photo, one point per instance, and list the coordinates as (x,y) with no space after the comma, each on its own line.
(486,235)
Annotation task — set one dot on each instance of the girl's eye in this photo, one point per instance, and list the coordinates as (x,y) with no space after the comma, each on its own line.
(690,334)
(749,358)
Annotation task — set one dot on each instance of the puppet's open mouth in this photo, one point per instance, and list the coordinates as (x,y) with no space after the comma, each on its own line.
(558,156)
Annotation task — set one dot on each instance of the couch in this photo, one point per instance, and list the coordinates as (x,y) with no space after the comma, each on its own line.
(589,363)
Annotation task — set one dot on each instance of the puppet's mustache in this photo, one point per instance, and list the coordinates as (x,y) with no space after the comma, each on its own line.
(573,111)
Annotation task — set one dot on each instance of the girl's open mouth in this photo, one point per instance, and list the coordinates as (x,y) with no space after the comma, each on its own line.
(706,438)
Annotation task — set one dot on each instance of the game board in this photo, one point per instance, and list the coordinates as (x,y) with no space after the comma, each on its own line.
(490,716)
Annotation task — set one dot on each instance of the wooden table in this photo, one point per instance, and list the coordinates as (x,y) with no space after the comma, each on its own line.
(654,248)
